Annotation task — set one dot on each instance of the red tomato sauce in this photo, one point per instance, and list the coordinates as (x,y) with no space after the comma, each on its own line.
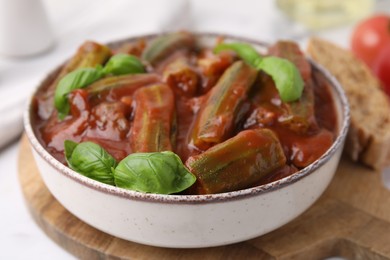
(106,118)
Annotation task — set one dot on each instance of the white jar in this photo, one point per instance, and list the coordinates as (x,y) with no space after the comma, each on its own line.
(24,28)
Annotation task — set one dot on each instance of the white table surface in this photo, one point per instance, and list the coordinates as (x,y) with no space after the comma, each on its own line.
(74,21)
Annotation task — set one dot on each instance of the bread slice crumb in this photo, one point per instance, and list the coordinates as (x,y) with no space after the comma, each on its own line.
(368,140)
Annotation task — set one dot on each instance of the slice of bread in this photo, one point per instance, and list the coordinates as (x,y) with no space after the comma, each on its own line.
(368,139)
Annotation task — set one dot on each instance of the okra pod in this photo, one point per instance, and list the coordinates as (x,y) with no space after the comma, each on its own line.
(237,163)
(181,77)
(165,45)
(215,122)
(115,87)
(154,119)
(299,115)
(90,54)
(290,50)
(212,66)
(132,48)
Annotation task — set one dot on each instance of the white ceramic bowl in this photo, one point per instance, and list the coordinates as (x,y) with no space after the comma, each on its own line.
(192,220)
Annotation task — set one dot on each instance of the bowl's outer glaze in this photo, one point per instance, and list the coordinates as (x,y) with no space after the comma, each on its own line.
(192,221)
(187,225)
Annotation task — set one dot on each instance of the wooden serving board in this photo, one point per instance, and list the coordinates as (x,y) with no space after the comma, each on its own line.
(351,219)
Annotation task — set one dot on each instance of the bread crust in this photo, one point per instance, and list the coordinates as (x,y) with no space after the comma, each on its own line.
(368,139)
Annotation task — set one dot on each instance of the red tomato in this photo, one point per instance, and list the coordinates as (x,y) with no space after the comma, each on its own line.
(381,68)
(370,36)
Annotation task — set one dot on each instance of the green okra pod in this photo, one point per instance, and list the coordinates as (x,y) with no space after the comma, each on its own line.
(237,163)
(182,78)
(165,45)
(290,50)
(119,86)
(299,115)
(288,80)
(216,120)
(154,119)
(88,55)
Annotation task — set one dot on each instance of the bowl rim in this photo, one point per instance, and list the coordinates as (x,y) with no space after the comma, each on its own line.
(339,96)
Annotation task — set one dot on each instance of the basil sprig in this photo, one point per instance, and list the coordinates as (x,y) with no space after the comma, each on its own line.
(79,78)
(288,80)
(121,64)
(243,50)
(90,160)
(159,172)
(118,64)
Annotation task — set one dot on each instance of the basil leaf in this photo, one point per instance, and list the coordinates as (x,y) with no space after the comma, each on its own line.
(243,50)
(120,64)
(286,76)
(69,147)
(159,172)
(79,78)
(90,160)
(117,65)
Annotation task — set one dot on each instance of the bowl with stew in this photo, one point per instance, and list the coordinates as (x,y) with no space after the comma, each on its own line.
(187,140)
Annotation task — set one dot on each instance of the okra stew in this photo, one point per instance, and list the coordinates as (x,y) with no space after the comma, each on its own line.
(171,116)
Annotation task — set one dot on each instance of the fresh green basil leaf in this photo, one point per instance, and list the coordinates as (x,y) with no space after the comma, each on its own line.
(79,78)
(286,76)
(159,172)
(121,64)
(90,160)
(69,147)
(243,50)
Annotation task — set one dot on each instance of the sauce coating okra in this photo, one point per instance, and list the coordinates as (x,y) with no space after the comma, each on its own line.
(223,117)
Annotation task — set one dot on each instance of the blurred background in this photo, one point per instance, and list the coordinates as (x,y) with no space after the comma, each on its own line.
(38,35)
